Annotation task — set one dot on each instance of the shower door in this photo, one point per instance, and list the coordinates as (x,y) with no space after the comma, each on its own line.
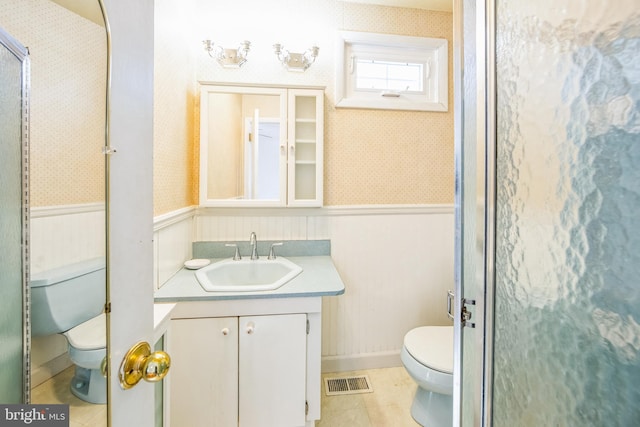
(566,348)
(14,330)
(551,115)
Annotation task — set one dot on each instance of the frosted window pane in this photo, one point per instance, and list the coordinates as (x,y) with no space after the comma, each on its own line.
(567,325)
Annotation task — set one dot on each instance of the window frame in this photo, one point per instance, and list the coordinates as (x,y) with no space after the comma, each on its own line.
(384,47)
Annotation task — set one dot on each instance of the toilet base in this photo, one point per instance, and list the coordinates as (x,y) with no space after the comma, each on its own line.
(89,385)
(432,409)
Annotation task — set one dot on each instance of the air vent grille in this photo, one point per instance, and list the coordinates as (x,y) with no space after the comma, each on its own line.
(347,385)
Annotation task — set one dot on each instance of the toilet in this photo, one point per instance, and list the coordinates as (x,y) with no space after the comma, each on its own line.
(427,355)
(70,300)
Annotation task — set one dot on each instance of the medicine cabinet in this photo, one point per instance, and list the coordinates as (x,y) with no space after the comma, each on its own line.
(261,146)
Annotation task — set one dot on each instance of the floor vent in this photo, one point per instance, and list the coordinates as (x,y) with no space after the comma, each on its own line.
(347,385)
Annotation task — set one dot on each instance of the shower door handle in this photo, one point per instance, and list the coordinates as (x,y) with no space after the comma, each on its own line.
(465,315)
(450,296)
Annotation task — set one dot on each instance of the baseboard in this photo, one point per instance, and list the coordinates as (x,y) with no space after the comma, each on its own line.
(358,362)
(50,369)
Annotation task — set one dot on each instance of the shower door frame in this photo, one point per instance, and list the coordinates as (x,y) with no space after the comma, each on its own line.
(485,202)
(489,32)
(22,55)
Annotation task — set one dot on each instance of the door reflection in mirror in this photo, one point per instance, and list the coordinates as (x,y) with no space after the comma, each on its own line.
(14,94)
(262,159)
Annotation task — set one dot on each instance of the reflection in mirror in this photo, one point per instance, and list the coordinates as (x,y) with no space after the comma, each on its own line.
(14,63)
(68,49)
(243,138)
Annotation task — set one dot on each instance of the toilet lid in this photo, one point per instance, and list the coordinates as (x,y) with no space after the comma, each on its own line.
(90,335)
(432,346)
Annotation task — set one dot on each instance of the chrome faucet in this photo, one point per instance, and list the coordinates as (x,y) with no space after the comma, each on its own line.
(253,241)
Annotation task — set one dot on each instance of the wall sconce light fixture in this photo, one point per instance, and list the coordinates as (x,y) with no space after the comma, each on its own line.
(228,58)
(296,61)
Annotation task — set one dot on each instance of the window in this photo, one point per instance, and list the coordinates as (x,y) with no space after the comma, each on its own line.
(391,72)
(377,75)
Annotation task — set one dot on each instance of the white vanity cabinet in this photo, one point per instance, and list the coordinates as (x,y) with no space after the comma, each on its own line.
(255,370)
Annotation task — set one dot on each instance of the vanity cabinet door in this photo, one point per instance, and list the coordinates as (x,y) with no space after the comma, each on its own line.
(204,372)
(305,147)
(273,353)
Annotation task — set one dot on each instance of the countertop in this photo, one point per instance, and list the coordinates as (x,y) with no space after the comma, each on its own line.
(319,277)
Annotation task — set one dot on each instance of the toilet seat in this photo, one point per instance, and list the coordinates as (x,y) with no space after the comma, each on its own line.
(89,335)
(431,346)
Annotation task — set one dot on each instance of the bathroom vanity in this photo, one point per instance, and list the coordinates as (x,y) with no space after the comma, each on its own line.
(248,358)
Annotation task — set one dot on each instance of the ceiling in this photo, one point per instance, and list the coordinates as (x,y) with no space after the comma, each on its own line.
(87,9)
(440,5)
(91,10)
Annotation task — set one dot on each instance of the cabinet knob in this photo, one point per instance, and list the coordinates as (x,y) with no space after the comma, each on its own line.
(225,331)
(250,328)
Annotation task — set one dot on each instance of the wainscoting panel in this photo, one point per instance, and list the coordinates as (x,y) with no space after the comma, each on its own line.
(62,235)
(239,227)
(172,247)
(397,269)
(396,263)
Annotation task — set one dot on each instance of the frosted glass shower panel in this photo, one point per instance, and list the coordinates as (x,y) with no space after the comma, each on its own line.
(12,225)
(567,319)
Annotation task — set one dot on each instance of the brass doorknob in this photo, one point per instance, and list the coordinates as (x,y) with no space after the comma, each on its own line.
(141,364)
(103,367)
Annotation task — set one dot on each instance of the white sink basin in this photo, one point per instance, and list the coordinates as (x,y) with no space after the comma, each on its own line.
(247,275)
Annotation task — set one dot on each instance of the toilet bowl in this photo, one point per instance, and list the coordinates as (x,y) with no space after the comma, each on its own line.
(87,349)
(427,355)
(70,300)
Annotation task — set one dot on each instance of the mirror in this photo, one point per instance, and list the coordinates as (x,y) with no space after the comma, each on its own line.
(261,146)
(68,51)
(243,145)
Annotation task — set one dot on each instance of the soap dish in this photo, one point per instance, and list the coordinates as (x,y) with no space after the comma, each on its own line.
(194,264)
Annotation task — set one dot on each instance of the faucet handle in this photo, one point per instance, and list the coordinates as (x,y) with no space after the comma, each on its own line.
(272,254)
(236,255)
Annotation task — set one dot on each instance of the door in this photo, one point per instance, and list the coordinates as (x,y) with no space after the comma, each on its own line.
(204,372)
(130,201)
(262,157)
(562,146)
(272,369)
(267,159)
(305,147)
(567,300)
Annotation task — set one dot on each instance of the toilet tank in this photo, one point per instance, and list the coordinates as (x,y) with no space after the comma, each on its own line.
(66,296)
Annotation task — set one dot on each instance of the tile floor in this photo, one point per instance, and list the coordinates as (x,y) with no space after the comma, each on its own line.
(387,406)
(81,413)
